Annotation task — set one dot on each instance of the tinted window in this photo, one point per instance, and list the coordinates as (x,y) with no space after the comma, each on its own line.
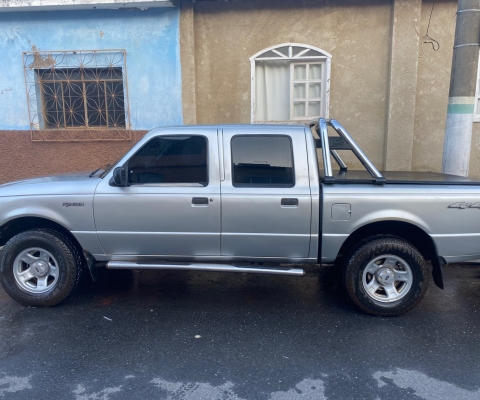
(170,159)
(262,161)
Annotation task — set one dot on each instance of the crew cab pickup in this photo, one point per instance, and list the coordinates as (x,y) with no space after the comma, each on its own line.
(241,198)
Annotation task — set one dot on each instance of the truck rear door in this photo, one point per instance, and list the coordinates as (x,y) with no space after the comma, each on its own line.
(266,202)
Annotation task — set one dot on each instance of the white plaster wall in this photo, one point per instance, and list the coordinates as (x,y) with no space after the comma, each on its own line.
(29,5)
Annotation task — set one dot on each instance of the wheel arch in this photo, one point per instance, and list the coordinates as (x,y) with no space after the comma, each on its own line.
(25,223)
(407,231)
(404,230)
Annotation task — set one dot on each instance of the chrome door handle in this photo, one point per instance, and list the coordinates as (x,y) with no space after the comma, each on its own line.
(289,202)
(200,201)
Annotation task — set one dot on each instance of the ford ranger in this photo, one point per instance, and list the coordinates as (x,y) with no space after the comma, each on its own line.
(241,198)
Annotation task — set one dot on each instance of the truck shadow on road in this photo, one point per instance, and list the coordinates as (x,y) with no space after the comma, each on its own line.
(320,288)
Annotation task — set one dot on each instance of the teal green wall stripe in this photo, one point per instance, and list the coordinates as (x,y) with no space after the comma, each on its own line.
(460,108)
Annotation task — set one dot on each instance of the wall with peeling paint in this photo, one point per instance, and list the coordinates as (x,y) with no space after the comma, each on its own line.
(217,39)
(151,39)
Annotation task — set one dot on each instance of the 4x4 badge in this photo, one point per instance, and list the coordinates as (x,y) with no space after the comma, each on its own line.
(464,205)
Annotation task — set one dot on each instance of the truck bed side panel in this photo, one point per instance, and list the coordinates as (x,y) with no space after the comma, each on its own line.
(454,228)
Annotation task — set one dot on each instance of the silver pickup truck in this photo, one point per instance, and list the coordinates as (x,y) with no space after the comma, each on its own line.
(240,198)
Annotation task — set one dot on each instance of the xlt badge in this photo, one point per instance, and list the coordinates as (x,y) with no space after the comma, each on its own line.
(73,204)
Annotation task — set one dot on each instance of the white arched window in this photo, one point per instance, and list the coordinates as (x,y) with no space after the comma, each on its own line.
(290,82)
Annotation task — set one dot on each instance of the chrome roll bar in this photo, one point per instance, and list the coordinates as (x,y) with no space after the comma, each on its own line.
(345,142)
(339,160)
(327,162)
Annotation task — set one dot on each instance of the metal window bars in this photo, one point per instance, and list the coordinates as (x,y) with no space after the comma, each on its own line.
(77,95)
(330,145)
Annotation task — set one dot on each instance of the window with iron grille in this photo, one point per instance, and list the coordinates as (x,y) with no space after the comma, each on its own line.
(83,98)
(81,95)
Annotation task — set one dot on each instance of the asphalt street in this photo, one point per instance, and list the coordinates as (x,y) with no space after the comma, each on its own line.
(164,335)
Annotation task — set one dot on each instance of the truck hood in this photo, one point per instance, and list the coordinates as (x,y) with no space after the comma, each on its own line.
(71,183)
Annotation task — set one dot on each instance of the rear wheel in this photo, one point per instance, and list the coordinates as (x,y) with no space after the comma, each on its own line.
(39,267)
(386,276)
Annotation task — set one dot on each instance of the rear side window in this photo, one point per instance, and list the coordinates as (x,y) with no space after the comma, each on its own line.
(170,160)
(262,161)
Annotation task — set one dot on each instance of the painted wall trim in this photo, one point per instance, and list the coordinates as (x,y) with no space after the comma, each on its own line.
(53,5)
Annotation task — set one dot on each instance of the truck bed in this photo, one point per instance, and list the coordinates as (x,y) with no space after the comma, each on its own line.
(401,177)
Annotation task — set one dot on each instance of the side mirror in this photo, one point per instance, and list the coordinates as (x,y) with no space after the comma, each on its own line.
(118,178)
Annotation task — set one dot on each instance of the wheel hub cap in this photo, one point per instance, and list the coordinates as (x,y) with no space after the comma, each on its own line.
(39,268)
(36,270)
(385,276)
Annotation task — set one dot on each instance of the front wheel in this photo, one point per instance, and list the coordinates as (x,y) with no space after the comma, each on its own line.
(39,267)
(386,276)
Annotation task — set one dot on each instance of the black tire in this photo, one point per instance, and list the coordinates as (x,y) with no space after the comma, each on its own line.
(377,246)
(68,258)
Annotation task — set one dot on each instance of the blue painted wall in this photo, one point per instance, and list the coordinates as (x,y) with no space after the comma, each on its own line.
(151,39)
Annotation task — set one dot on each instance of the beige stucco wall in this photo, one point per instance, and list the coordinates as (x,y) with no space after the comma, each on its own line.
(365,68)
(433,84)
(187,58)
(402,84)
(357,34)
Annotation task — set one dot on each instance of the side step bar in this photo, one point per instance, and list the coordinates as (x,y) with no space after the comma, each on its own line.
(206,267)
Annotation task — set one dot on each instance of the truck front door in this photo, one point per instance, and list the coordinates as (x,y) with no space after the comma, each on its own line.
(171,206)
(266,202)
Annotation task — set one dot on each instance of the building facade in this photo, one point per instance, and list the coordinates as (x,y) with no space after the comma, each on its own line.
(78,86)
(81,81)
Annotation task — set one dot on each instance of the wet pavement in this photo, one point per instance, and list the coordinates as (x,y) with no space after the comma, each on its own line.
(164,335)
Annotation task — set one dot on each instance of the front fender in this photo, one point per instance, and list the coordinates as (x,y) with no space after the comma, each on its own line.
(59,209)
